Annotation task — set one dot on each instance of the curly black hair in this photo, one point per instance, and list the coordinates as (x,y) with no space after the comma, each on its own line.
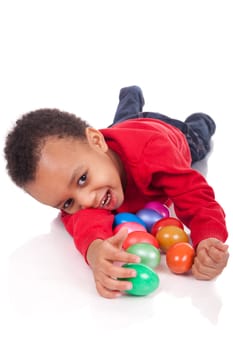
(24,142)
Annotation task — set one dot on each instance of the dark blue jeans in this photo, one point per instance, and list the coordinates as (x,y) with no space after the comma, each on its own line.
(197,128)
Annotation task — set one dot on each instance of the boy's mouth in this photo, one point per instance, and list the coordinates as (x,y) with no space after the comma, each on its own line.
(106,200)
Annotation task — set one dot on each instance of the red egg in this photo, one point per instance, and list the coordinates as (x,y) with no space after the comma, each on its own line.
(179,257)
(166,222)
(140,237)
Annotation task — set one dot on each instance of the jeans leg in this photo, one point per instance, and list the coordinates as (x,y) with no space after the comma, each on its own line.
(131,102)
(203,124)
(197,146)
(174,122)
(197,128)
(200,128)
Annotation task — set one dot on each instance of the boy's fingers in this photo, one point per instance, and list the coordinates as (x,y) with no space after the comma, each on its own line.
(112,287)
(218,256)
(199,274)
(212,258)
(122,256)
(107,293)
(118,239)
(219,245)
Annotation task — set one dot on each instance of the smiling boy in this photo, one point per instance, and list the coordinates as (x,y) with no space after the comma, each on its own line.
(91,174)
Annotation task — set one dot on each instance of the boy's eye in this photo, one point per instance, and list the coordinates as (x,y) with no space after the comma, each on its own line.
(82,179)
(67,203)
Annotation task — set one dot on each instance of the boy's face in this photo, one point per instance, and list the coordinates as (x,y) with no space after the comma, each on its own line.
(75,174)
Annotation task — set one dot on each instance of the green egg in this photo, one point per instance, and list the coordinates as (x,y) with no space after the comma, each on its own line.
(149,255)
(145,282)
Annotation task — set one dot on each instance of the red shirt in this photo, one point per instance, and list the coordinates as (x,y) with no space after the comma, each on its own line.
(157,162)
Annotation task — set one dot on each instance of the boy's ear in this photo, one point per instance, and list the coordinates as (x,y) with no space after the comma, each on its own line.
(96,139)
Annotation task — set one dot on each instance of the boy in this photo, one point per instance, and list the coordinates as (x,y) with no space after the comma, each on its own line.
(90,175)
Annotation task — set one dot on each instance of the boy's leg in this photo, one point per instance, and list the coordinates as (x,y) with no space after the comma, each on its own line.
(203,124)
(174,122)
(131,102)
(197,128)
(200,128)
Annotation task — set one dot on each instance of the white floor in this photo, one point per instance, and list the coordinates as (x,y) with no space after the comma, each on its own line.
(76,55)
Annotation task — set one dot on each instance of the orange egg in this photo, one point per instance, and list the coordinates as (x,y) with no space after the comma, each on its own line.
(170,221)
(169,235)
(179,257)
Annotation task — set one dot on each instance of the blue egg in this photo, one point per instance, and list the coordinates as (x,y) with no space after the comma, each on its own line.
(149,217)
(127,217)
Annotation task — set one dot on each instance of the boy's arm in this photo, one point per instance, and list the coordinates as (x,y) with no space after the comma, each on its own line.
(88,225)
(193,198)
(105,257)
(195,205)
(93,236)
(210,260)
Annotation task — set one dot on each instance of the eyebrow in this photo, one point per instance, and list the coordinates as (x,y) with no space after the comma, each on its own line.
(74,174)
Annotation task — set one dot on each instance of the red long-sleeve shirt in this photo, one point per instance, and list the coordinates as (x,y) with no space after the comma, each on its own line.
(157,160)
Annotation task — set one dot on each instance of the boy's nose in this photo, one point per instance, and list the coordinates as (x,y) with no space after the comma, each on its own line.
(86,199)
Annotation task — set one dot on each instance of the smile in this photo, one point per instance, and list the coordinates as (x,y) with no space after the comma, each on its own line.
(106,200)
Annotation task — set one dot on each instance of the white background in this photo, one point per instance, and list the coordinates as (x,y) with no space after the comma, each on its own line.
(76,55)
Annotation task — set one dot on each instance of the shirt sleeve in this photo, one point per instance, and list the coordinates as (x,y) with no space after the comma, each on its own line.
(193,198)
(87,225)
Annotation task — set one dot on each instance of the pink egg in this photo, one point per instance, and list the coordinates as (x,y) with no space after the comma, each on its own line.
(131,227)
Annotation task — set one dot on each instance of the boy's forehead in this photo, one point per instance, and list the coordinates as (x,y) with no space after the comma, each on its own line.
(61,152)
(56,144)
(59,139)
(59,158)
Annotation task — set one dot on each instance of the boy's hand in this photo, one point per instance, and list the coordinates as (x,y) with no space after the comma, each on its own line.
(103,256)
(211,258)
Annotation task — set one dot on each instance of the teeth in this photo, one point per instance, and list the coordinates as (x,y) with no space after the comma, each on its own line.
(106,200)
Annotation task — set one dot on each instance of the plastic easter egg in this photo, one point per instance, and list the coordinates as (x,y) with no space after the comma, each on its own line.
(130,226)
(145,282)
(162,209)
(166,222)
(169,235)
(179,257)
(149,217)
(150,256)
(127,217)
(140,237)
